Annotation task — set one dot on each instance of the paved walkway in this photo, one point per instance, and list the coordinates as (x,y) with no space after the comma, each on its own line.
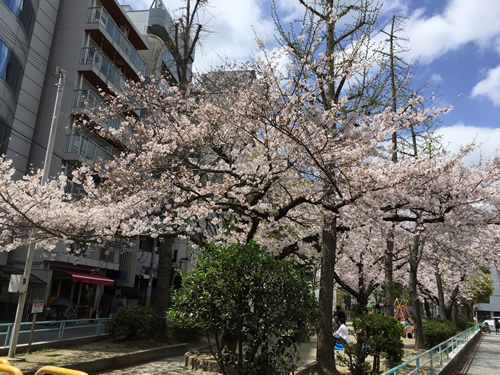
(175,365)
(485,358)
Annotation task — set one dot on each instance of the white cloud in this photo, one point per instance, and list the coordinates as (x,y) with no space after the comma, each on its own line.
(489,86)
(461,22)
(455,136)
(230,25)
(436,78)
(232,32)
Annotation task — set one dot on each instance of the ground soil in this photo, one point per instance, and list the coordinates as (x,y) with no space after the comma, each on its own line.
(109,348)
(84,353)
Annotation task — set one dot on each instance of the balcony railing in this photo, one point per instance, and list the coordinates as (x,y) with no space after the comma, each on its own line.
(81,99)
(94,56)
(86,99)
(81,145)
(101,16)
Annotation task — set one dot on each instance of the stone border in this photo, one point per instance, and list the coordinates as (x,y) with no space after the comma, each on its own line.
(22,348)
(125,360)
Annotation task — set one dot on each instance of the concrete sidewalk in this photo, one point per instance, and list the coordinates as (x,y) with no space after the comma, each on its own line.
(485,358)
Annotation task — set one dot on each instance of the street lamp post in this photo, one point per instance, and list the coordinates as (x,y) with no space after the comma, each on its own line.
(23,290)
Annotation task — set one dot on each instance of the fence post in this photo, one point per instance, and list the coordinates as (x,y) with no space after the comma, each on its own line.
(432,362)
(7,335)
(61,331)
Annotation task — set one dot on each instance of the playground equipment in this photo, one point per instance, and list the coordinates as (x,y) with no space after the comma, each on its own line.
(9,370)
(58,371)
(402,311)
(404,314)
(6,368)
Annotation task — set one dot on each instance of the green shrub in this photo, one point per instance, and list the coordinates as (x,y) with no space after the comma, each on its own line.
(185,334)
(133,322)
(243,295)
(463,323)
(376,334)
(437,331)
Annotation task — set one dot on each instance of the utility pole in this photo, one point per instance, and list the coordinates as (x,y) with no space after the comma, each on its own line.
(23,290)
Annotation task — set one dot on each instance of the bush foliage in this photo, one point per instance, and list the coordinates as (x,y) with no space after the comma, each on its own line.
(133,322)
(376,334)
(258,307)
(436,331)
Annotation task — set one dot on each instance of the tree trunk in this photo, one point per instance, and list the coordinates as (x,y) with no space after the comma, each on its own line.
(163,279)
(414,300)
(427,309)
(443,311)
(389,253)
(325,357)
(454,313)
(388,271)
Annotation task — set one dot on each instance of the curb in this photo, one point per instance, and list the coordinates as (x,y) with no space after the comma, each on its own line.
(124,360)
(22,348)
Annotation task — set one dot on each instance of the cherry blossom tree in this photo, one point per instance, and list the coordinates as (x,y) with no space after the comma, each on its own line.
(262,156)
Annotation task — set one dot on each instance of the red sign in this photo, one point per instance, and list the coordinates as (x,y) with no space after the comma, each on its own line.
(476,309)
(37,307)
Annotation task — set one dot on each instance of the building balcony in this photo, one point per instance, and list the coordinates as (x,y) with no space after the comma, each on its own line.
(80,148)
(106,71)
(87,99)
(100,17)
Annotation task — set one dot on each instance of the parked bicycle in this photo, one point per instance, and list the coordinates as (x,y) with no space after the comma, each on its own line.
(486,328)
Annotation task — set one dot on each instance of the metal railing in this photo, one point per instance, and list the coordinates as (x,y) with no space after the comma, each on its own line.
(87,99)
(94,56)
(55,329)
(82,98)
(81,145)
(101,16)
(436,356)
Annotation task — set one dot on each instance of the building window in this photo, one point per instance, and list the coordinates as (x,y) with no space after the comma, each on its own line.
(23,9)
(10,67)
(4,137)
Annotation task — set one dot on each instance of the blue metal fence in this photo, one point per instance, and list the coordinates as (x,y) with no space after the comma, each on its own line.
(55,330)
(436,356)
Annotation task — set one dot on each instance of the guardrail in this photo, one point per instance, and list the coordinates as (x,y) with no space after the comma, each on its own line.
(58,371)
(6,368)
(434,357)
(55,330)
(9,370)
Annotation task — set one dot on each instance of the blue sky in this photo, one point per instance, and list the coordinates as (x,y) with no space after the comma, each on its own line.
(455,44)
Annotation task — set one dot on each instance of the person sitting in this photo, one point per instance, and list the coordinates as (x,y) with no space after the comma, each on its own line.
(341,335)
(336,323)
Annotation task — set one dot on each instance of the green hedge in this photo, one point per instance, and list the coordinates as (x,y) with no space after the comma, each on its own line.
(133,322)
(437,331)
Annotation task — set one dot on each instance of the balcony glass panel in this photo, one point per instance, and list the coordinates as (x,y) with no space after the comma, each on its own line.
(81,145)
(93,56)
(86,99)
(100,15)
(81,97)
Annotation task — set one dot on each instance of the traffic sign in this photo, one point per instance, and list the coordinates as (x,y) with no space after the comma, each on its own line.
(37,306)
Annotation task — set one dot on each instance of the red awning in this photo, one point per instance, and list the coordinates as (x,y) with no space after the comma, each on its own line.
(81,276)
